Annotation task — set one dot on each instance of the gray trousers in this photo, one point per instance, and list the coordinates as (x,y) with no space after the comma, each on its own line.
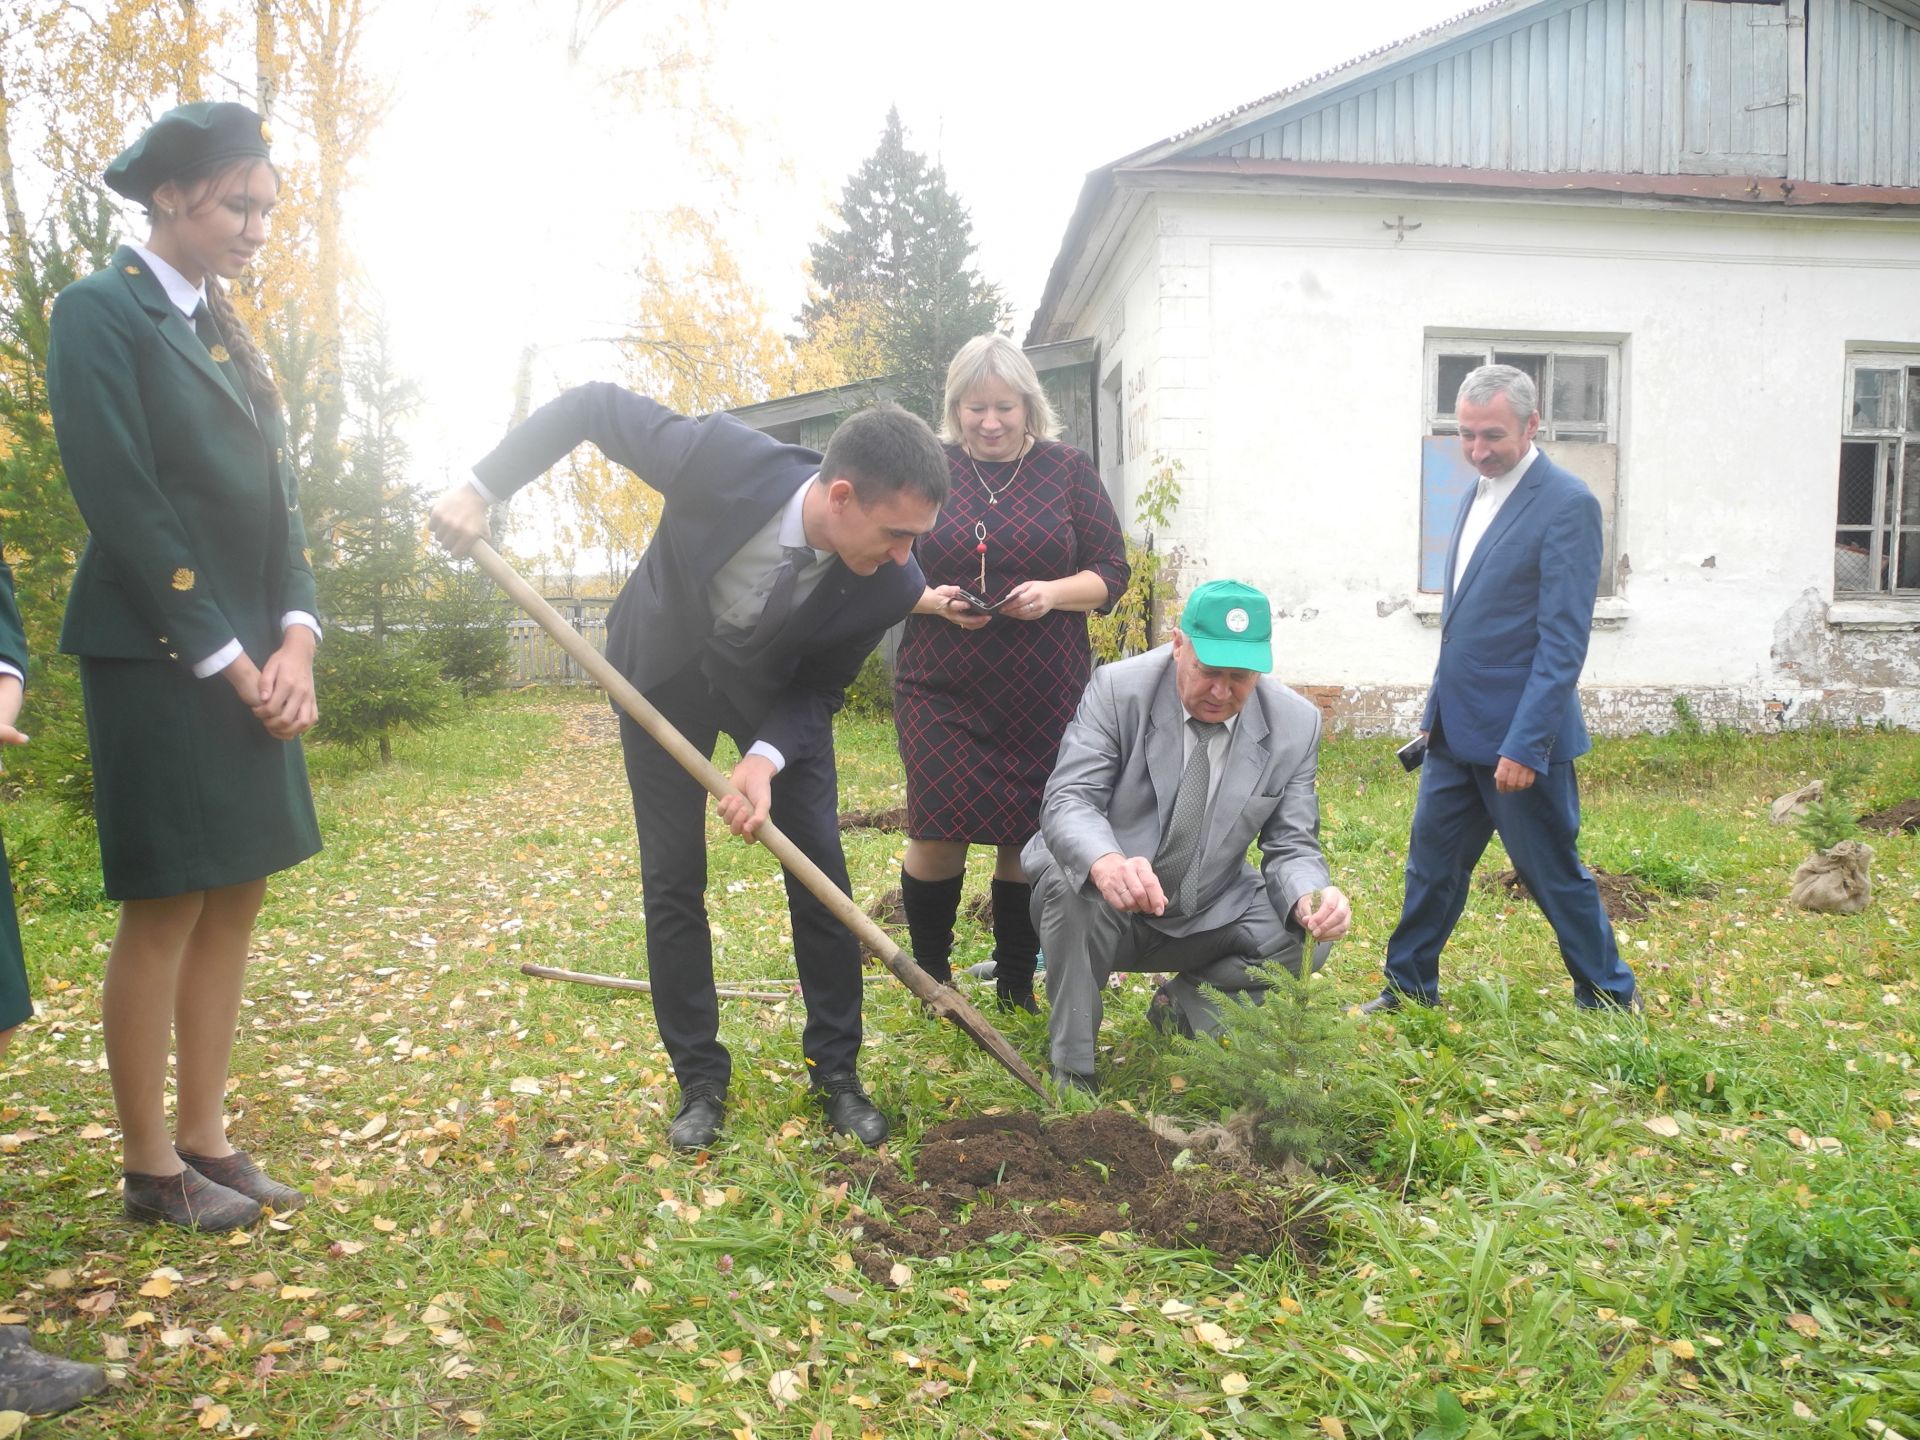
(1086,940)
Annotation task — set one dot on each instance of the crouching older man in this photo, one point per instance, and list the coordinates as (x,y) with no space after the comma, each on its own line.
(1176,762)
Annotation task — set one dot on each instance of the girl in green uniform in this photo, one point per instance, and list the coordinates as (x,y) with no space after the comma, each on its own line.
(192,615)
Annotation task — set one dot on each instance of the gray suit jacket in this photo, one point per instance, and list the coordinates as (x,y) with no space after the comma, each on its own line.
(1120,762)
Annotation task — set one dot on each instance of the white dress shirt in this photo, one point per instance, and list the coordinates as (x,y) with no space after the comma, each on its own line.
(187,298)
(1489,495)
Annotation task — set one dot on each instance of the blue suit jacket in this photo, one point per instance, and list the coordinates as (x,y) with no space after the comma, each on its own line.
(721,480)
(1513,633)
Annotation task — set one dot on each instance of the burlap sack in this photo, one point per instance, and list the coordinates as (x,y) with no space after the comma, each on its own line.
(1837,881)
(1793,804)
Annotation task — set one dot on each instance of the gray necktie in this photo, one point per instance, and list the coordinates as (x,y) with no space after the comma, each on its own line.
(1174,865)
(780,596)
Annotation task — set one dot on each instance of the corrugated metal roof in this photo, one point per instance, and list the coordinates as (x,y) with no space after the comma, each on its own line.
(1374,54)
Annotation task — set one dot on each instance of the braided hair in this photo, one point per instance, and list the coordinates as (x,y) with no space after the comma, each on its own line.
(239,340)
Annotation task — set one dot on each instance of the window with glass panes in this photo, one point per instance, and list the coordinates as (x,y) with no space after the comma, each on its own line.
(1876,540)
(1579,388)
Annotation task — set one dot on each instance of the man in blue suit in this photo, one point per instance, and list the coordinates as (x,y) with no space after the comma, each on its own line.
(1503,723)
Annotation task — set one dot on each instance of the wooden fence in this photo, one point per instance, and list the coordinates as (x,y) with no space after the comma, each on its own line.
(538,661)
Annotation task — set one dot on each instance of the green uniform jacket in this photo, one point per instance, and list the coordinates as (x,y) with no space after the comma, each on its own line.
(194,517)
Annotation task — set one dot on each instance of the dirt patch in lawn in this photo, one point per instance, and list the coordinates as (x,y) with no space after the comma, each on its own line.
(1904,816)
(892,818)
(1013,1175)
(1625,896)
(890,908)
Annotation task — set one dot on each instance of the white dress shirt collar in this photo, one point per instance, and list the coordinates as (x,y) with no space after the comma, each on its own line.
(1504,485)
(186,296)
(793,521)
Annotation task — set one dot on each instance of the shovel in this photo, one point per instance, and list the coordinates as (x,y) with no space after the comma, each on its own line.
(942,1000)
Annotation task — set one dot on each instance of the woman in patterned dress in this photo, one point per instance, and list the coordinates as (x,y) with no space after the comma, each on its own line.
(981,697)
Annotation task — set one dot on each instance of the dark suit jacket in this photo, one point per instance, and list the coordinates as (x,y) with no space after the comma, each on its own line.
(195,534)
(1513,634)
(721,481)
(1119,770)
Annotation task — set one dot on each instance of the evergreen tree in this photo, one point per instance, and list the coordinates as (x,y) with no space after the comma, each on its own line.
(896,294)
(373,673)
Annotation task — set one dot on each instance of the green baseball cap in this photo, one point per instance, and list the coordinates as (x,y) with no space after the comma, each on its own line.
(203,133)
(1230,625)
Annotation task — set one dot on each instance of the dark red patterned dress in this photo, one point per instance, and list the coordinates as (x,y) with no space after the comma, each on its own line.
(981,712)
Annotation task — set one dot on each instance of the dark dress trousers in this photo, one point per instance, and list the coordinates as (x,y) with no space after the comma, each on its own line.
(721,482)
(1513,640)
(194,540)
(15,1005)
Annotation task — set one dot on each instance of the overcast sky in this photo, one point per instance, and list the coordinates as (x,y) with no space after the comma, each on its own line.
(494,207)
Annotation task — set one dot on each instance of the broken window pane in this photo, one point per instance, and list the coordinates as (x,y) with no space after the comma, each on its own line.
(1452,370)
(1876,399)
(1858,460)
(1579,389)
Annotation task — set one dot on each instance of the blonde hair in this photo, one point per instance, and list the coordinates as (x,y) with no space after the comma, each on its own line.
(994,357)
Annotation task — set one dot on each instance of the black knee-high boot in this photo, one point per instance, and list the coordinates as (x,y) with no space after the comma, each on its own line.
(1015,946)
(931,906)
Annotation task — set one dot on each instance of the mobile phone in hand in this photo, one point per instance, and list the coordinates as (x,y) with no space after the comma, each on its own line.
(1412,753)
(978,603)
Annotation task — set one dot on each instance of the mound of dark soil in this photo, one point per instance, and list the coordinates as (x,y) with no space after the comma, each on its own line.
(1904,816)
(1000,1175)
(1624,896)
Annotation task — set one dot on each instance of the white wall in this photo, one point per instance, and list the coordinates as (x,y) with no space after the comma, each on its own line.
(1285,343)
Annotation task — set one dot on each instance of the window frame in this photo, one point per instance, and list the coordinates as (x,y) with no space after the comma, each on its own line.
(1607,430)
(1894,447)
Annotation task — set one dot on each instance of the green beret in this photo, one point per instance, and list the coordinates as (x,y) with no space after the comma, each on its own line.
(190,135)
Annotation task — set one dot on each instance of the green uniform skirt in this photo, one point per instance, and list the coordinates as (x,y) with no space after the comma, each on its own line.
(14,1004)
(190,791)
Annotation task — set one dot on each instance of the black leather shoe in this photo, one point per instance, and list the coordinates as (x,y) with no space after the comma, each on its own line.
(849,1111)
(1385,1003)
(1015,998)
(1165,1016)
(697,1125)
(35,1383)
(1065,1079)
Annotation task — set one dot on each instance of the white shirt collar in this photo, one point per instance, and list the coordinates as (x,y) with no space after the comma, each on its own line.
(186,297)
(793,520)
(1503,486)
(1231,721)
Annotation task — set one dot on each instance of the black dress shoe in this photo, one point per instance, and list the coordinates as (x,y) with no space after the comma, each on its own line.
(35,1383)
(1015,997)
(697,1125)
(1065,1079)
(1385,1003)
(849,1111)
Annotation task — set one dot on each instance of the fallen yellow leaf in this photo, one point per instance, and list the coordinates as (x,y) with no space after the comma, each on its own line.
(298,1292)
(12,1422)
(1332,1428)
(1234,1383)
(1664,1125)
(1804,1325)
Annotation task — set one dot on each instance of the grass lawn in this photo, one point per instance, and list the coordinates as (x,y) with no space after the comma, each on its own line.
(1554,1224)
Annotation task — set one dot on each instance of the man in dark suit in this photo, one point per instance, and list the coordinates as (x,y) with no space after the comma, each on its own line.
(1503,723)
(772,575)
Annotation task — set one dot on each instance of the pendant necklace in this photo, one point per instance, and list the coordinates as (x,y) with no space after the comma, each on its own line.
(993,495)
(980,534)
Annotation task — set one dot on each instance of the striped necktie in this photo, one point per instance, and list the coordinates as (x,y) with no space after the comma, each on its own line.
(1174,867)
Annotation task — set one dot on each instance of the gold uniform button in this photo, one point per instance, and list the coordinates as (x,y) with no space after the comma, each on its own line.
(164,641)
(183,579)
(133,269)
(173,654)
(219,354)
